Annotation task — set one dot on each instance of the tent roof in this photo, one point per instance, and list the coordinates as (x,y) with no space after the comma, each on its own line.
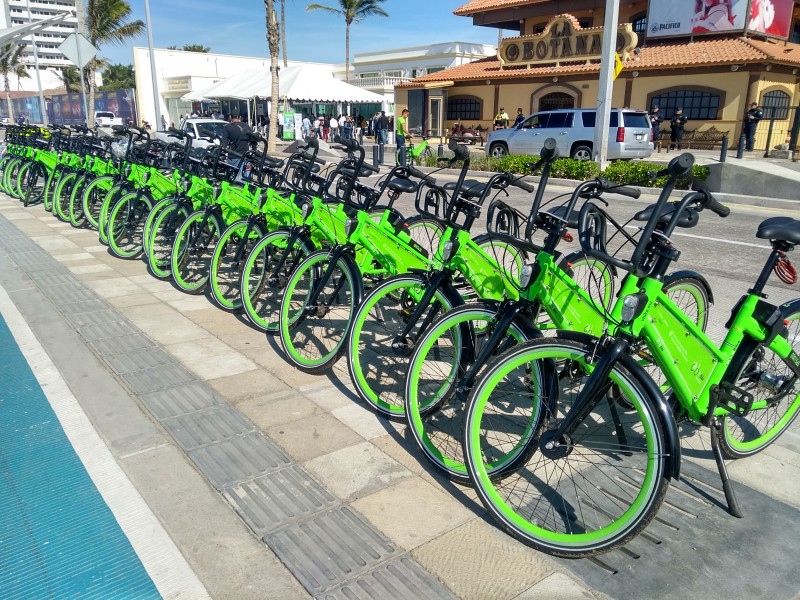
(299,83)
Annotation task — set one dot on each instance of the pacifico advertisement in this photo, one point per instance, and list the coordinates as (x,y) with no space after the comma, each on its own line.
(699,17)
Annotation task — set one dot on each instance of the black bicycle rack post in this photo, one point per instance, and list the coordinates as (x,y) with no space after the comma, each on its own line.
(769,137)
(740,148)
(376,157)
(723,153)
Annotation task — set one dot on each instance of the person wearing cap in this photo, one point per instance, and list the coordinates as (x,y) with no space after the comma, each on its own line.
(655,122)
(677,123)
(501,119)
(235,134)
(751,119)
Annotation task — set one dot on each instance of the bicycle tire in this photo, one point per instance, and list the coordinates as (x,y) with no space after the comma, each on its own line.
(37,180)
(92,198)
(227,262)
(192,251)
(112,196)
(49,190)
(576,499)
(434,407)
(262,284)
(10,175)
(377,364)
(62,196)
(126,225)
(162,238)
(76,215)
(151,217)
(22,179)
(314,341)
(757,369)
(426,233)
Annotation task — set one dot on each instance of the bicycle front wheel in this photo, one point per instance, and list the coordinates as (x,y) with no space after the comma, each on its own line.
(264,276)
(126,225)
(765,375)
(111,198)
(192,251)
(62,196)
(438,385)
(37,179)
(317,311)
(163,230)
(575,497)
(92,198)
(232,250)
(378,353)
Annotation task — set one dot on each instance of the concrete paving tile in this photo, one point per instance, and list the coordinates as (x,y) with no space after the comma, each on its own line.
(558,586)
(363,421)
(208,358)
(769,475)
(356,471)
(434,511)
(274,363)
(317,435)
(56,243)
(190,304)
(328,398)
(18,216)
(165,325)
(98,248)
(133,300)
(86,269)
(168,293)
(255,384)
(111,288)
(461,560)
(73,257)
(277,409)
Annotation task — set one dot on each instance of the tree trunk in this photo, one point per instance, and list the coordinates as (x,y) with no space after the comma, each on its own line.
(347,52)
(283,32)
(88,72)
(273,41)
(8,99)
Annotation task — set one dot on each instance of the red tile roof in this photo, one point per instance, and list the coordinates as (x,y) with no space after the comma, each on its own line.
(705,52)
(476,6)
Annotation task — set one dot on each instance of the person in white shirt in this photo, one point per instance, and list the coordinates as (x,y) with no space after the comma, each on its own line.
(334,128)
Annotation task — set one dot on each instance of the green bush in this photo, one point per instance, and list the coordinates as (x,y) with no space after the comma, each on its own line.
(628,172)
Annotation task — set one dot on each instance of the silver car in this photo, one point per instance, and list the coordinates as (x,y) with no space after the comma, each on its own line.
(630,135)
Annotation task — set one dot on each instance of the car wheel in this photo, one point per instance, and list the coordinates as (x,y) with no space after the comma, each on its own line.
(498,150)
(582,153)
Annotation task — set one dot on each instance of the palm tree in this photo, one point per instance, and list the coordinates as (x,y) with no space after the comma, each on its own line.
(107,23)
(70,78)
(11,64)
(273,41)
(353,11)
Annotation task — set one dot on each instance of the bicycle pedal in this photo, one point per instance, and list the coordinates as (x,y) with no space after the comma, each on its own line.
(731,398)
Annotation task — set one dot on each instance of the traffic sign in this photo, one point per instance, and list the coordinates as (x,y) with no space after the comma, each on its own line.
(78,50)
(617,65)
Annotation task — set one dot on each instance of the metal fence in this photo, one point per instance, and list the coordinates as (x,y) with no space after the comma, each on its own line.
(780,125)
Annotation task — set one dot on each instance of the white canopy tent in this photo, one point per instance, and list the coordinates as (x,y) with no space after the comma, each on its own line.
(300,83)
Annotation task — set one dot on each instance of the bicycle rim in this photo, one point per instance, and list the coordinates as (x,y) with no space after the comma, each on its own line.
(126,224)
(192,251)
(226,265)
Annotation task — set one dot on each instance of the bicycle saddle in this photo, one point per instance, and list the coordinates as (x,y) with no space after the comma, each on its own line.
(689,217)
(399,184)
(470,187)
(561,213)
(783,229)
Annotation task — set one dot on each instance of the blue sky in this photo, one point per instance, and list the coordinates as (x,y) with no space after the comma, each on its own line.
(237,27)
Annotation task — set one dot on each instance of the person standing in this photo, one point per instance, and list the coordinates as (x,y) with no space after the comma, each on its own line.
(383,126)
(751,119)
(655,122)
(501,119)
(306,127)
(334,128)
(677,123)
(520,117)
(235,134)
(401,129)
(163,123)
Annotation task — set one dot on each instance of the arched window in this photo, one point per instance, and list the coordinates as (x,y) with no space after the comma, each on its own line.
(697,104)
(464,108)
(556,100)
(639,23)
(775,105)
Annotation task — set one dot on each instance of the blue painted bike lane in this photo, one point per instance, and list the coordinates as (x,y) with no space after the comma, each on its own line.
(58,537)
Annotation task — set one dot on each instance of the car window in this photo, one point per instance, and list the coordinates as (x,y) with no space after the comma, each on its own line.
(636,119)
(560,119)
(105,114)
(535,122)
(590,117)
(206,128)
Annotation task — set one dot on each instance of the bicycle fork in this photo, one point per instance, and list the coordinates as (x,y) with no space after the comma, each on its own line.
(402,344)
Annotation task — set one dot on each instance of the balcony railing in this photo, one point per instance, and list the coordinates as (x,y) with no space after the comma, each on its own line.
(377,82)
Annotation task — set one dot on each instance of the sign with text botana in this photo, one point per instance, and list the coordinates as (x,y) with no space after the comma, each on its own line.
(563,41)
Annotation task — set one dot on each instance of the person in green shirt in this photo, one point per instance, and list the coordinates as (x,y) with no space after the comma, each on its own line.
(401,129)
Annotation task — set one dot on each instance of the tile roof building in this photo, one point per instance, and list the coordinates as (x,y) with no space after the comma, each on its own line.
(672,56)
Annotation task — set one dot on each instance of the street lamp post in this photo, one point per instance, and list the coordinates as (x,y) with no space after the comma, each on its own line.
(156,103)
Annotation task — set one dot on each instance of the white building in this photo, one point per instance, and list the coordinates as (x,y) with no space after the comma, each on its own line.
(51,61)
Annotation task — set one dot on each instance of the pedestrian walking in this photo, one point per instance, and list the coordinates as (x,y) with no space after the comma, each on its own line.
(655,122)
(163,123)
(334,128)
(306,127)
(383,126)
(677,123)
(751,119)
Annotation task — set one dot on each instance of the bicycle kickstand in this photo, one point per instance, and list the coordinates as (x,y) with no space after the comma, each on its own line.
(730,496)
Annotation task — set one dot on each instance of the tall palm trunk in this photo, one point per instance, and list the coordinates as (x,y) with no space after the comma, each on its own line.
(8,99)
(88,73)
(273,41)
(283,33)
(347,52)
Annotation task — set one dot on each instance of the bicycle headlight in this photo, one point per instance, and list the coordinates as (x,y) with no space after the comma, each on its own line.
(350,226)
(525,276)
(632,307)
(447,250)
(305,210)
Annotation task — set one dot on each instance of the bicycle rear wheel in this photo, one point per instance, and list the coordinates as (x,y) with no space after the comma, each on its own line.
(577,497)
(92,198)
(37,180)
(233,248)
(162,238)
(759,371)
(313,332)
(192,251)
(126,225)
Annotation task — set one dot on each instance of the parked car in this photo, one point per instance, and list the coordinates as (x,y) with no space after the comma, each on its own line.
(5,121)
(200,127)
(630,135)
(104,118)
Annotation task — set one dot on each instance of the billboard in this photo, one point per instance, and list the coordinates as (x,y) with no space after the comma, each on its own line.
(696,17)
(770,17)
(67,109)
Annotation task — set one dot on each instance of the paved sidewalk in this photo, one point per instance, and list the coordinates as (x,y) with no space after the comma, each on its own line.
(277,484)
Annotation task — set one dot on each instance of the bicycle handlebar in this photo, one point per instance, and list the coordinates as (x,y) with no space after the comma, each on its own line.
(420,175)
(523,185)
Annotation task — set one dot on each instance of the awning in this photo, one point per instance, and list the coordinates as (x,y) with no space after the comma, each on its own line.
(300,83)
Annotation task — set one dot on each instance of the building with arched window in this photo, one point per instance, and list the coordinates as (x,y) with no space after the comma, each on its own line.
(712,61)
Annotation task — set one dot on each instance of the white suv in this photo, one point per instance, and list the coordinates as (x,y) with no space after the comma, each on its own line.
(630,135)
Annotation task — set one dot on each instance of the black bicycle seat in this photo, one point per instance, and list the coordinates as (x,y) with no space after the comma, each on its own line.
(399,184)
(784,229)
(561,213)
(689,217)
(470,187)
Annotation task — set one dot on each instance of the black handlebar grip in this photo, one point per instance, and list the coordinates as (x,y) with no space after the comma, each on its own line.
(174,131)
(524,185)
(624,190)
(319,160)
(549,150)
(369,167)
(460,150)
(714,206)
(420,175)
(681,165)
(312,143)
(349,144)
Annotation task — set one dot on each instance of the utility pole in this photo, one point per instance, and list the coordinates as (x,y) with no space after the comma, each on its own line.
(80,13)
(42,106)
(606,87)
(156,103)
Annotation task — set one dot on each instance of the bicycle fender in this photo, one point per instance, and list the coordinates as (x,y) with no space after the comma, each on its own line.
(662,409)
(695,275)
